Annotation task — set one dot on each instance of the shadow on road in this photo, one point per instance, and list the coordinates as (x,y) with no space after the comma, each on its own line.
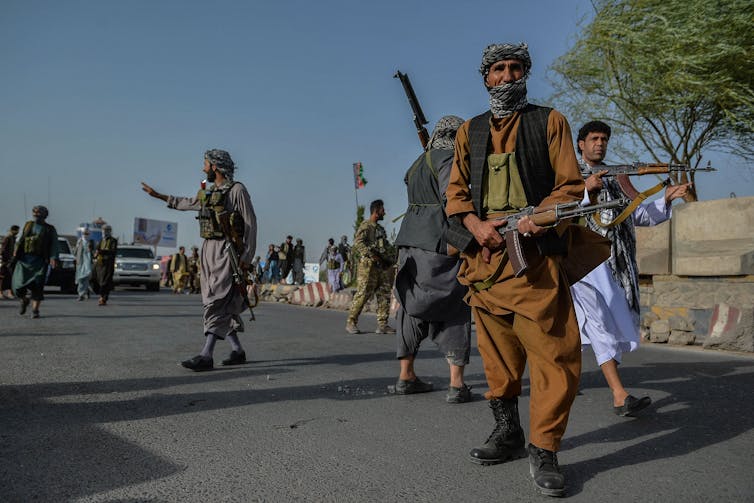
(43,432)
(706,403)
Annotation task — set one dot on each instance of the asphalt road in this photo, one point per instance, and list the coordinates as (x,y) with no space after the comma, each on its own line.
(94,406)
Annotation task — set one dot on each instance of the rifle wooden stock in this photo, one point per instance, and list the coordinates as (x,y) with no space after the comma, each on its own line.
(545,216)
(423,136)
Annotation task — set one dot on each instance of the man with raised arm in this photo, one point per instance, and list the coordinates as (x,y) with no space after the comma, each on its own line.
(226,218)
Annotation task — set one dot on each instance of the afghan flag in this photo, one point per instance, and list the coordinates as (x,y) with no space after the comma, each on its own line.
(358,176)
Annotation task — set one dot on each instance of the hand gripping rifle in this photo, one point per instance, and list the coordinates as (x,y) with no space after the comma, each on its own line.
(419,119)
(241,279)
(545,216)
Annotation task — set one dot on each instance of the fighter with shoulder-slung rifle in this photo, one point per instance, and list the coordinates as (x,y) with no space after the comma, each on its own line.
(242,280)
(419,119)
(545,216)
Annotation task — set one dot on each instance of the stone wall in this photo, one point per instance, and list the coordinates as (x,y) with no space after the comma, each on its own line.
(700,260)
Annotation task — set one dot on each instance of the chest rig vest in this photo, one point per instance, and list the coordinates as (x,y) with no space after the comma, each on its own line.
(36,244)
(215,221)
(533,160)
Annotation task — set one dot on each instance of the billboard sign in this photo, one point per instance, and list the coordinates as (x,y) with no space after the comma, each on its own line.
(155,232)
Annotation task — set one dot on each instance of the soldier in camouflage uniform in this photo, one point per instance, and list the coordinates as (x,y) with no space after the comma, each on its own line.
(376,256)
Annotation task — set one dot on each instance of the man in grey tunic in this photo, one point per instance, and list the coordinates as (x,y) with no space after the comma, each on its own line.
(431,297)
(225,208)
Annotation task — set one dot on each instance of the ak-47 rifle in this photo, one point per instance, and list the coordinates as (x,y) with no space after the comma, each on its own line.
(621,172)
(642,168)
(241,279)
(419,119)
(545,216)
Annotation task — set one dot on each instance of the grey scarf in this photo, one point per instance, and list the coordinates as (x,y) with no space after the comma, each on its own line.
(507,98)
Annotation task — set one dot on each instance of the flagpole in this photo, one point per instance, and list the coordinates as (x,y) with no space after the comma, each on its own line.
(356,184)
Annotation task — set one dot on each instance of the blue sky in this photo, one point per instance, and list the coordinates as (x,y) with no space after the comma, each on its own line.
(97,96)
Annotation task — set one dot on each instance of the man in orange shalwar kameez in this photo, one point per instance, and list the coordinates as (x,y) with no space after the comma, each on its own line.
(513,156)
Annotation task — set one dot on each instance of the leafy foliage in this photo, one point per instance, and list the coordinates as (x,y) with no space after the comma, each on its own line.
(671,76)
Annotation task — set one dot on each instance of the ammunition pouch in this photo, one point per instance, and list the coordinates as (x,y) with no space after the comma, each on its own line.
(35,244)
(209,227)
(32,245)
(212,211)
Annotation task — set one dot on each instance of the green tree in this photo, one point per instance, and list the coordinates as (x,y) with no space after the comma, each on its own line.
(671,76)
(359,218)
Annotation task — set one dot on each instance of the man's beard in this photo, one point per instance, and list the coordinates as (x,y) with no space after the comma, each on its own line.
(211,176)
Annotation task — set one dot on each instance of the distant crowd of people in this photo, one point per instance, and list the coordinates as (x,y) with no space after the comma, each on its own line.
(284,263)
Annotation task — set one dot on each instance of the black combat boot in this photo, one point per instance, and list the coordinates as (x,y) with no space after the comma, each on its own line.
(506,441)
(544,469)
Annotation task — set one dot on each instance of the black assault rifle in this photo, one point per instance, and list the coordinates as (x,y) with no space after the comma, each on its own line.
(544,217)
(419,119)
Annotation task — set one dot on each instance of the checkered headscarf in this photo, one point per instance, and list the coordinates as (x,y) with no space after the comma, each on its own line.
(506,98)
(222,160)
(444,134)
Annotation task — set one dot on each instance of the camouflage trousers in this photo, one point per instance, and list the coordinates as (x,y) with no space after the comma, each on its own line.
(371,280)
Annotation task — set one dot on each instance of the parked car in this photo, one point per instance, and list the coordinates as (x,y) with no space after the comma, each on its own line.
(64,275)
(136,265)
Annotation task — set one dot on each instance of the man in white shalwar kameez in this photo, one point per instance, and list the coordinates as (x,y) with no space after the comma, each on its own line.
(83,256)
(606,300)
(223,302)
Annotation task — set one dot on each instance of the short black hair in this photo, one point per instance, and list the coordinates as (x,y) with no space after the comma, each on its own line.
(375,205)
(592,127)
(14,227)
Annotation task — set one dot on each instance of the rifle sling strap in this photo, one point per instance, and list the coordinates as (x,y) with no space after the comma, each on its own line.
(631,207)
(492,279)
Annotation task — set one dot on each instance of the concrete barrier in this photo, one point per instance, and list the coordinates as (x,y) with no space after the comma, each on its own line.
(713,238)
(653,249)
(731,328)
(340,300)
(311,294)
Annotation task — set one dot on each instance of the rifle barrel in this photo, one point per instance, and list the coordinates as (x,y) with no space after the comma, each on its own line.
(412,99)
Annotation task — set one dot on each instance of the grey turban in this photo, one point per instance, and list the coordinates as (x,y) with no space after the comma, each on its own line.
(42,210)
(498,52)
(222,160)
(444,134)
